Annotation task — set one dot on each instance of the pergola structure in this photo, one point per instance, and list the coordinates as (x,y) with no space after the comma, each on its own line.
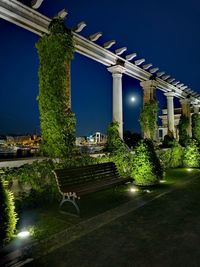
(30,19)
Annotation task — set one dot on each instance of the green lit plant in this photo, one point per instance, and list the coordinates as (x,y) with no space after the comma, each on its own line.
(172,157)
(183,130)
(8,217)
(57,121)
(146,167)
(196,127)
(191,157)
(119,151)
(148,119)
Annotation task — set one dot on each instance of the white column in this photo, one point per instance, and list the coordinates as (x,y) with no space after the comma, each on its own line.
(170,112)
(117,72)
(196,108)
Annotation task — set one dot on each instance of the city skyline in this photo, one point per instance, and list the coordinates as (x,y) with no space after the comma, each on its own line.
(91,82)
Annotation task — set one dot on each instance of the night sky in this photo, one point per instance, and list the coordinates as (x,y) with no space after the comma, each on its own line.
(165,33)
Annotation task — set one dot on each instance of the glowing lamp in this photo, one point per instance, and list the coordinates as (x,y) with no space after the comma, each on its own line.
(23,234)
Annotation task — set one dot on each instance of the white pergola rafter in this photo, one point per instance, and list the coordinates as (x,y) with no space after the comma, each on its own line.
(30,19)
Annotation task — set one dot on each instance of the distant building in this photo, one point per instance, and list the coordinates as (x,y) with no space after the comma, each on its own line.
(163,129)
(97,138)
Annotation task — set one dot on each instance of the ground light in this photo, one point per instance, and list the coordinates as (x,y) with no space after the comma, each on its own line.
(189,170)
(23,234)
(162,181)
(133,189)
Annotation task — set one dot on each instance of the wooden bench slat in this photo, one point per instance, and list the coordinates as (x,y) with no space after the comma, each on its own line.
(87,179)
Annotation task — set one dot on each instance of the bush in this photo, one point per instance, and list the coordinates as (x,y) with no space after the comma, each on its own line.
(39,177)
(8,217)
(191,157)
(146,167)
(183,130)
(196,127)
(172,157)
(119,151)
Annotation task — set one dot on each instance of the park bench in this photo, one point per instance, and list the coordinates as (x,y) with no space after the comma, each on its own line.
(75,182)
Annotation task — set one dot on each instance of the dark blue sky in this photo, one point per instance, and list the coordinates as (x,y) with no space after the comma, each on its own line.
(165,33)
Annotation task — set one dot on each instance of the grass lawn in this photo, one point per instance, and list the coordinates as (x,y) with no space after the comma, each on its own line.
(165,232)
(46,221)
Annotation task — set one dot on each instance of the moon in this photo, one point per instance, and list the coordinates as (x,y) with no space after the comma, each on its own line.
(132,99)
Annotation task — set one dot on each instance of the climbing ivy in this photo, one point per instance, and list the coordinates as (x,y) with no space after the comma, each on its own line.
(196,127)
(183,130)
(57,121)
(148,119)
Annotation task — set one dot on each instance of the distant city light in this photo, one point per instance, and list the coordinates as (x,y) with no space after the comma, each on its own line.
(23,234)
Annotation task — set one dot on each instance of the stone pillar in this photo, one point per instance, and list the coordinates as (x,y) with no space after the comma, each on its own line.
(185,105)
(170,113)
(149,93)
(117,72)
(196,108)
(148,90)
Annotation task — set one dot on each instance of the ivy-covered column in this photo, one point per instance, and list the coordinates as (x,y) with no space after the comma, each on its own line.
(186,116)
(57,121)
(148,116)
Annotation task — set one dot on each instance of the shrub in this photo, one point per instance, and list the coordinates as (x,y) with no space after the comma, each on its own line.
(183,130)
(8,217)
(146,167)
(40,178)
(172,157)
(119,151)
(196,127)
(191,157)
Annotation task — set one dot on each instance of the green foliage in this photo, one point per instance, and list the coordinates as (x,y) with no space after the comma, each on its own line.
(8,217)
(183,130)
(119,152)
(148,119)
(57,121)
(146,167)
(196,127)
(39,177)
(191,157)
(172,157)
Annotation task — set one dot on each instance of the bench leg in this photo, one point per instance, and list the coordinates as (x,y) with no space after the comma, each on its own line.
(70,199)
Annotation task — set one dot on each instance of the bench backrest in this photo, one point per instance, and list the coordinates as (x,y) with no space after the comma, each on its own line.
(85,174)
